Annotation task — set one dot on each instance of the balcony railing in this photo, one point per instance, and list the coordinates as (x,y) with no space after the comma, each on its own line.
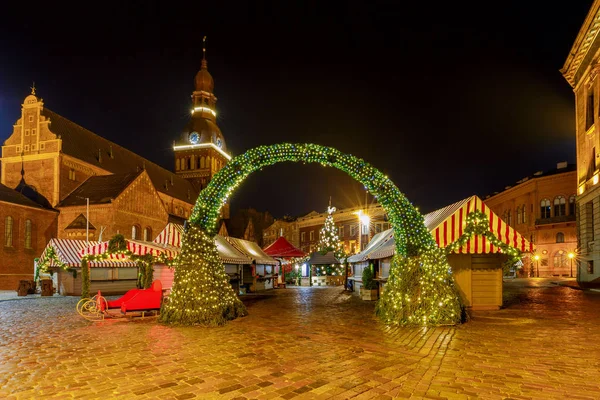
(555,220)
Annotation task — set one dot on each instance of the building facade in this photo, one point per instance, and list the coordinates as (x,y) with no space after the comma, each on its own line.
(286,227)
(542,208)
(353,233)
(26,227)
(581,72)
(97,188)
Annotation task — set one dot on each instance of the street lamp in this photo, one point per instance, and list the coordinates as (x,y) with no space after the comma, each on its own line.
(537,259)
(571,256)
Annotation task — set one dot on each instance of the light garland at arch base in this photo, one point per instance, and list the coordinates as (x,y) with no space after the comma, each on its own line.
(201,293)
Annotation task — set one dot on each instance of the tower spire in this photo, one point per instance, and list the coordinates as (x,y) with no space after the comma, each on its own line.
(204,63)
(33,89)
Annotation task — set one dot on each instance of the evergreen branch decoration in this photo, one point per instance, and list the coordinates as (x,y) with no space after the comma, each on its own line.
(193,301)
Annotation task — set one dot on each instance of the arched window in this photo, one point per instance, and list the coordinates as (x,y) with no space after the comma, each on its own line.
(560,259)
(207,165)
(572,205)
(147,234)
(524,214)
(560,237)
(560,206)
(189,163)
(202,161)
(519,215)
(135,232)
(545,208)
(509,218)
(192,162)
(28,227)
(8,231)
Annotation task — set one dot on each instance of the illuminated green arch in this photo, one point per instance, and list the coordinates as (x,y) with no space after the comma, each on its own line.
(428,297)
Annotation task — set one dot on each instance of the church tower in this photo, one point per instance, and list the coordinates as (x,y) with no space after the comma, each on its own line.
(200,151)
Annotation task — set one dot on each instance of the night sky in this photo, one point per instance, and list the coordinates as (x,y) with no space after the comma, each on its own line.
(447,99)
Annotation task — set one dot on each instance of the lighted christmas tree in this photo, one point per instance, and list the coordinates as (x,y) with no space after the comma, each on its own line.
(201,294)
(329,239)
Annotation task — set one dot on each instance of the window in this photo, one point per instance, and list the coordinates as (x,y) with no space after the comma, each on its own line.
(559,206)
(8,231)
(72,174)
(33,147)
(509,218)
(532,238)
(352,230)
(26,132)
(560,259)
(377,228)
(135,232)
(26,147)
(32,132)
(202,162)
(42,146)
(544,262)
(189,163)
(590,268)
(519,215)
(589,221)
(386,226)
(18,149)
(28,234)
(545,208)
(572,205)
(589,114)
(560,237)
(147,234)
(31,118)
(341,231)
(524,214)
(312,235)
(365,229)
(303,236)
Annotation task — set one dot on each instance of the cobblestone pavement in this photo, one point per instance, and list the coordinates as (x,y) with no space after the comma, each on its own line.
(308,343)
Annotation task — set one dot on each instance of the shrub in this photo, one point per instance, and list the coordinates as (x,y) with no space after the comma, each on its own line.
(367,279)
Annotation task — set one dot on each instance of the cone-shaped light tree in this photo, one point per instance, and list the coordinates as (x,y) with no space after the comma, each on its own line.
(329,239)
(203,294)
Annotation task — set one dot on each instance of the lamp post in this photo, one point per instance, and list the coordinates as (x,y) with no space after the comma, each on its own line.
(297,275)
(537,259)
(571,256)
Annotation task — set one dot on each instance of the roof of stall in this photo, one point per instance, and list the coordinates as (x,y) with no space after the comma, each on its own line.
(252,250)
(67,251)
(282,248)
(318,258)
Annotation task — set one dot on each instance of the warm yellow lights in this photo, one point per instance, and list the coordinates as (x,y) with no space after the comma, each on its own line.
(595,179)
(571,255)
(536,257)
(365,219)
(581,189)
(201,145)
(206,109)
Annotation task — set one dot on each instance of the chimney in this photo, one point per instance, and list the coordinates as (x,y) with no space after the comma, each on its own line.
(561,165)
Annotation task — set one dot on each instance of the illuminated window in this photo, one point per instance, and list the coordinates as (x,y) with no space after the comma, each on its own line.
(312,235)
(8,231)
(572,205)
(72,174)
(341,231)
(560,259)
(28,226)
(545,208)
(135,231)
(509,217)
(303,236)
(519,215)
(559,206)
(524,214)
(589,114)
(147,234)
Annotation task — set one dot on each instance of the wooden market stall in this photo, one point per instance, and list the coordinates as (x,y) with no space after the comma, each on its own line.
(325,269)
(260,274)
(111,276)
(477,266)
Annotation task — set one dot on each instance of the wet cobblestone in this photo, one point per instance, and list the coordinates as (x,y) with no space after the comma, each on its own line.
(307,343)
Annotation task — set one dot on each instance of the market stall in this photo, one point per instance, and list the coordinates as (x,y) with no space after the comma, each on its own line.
(287,254)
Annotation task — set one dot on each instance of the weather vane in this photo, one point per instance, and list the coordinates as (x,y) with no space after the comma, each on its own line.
(204,47)
(330,209)
(32,89)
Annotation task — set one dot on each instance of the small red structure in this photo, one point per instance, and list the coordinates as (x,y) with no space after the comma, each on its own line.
(139,299)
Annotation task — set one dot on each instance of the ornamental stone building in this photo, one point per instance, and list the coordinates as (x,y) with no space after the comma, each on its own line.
(87,187)
(581,70)
(541,207)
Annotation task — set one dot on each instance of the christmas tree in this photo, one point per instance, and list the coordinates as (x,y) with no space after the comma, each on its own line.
(329,239)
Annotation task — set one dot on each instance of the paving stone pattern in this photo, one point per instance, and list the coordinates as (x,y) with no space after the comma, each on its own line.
(307,343)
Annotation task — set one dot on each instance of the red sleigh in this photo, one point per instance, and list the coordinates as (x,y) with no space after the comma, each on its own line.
(142,300)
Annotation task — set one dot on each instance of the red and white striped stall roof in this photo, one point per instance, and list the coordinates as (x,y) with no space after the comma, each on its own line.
(446,226)
(136,247)
(171,235)
(67,251)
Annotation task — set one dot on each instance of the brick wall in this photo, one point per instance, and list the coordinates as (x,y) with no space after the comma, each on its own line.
(16,262)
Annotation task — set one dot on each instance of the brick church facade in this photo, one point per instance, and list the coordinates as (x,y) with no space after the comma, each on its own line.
(71,174)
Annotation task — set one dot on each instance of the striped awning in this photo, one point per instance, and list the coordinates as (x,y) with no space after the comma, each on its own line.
(171,235)
(446,226)
(136,247)
(67,251)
